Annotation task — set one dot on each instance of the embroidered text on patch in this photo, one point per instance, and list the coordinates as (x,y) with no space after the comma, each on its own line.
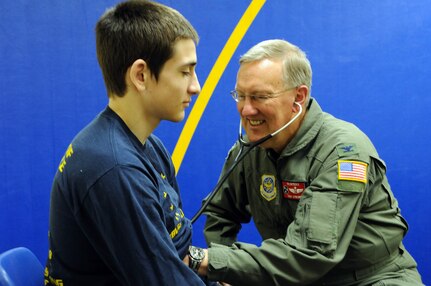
(352,171)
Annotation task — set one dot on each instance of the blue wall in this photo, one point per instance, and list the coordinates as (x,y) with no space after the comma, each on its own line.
(371,62)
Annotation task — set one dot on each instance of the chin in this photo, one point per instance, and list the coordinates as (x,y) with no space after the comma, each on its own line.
(178,118)
(254,137)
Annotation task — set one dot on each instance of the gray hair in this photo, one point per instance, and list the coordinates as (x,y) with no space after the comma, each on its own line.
(297,68)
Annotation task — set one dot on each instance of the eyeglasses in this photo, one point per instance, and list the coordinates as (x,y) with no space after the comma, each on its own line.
(259,98)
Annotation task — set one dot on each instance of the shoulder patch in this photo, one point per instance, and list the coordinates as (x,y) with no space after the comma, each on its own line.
(347,149)
(352,171)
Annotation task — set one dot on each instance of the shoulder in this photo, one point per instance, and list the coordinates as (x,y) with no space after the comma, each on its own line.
(344,139)
(98,148)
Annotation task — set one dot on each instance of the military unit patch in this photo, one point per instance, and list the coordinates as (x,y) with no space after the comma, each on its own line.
(268,188)
(352,171)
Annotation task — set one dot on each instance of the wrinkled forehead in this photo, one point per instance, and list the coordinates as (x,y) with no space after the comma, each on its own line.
(262,75)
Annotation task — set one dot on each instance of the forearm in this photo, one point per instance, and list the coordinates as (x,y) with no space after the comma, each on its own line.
(246,264)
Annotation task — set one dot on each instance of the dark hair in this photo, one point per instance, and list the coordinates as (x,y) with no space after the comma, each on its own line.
(137,30)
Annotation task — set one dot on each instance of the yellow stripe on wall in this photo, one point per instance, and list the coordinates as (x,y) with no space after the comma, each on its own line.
(212,80)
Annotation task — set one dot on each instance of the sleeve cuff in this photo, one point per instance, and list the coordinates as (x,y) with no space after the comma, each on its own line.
(218,260)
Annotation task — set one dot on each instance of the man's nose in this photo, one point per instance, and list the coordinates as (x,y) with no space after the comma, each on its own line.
(247,107)
(194,87)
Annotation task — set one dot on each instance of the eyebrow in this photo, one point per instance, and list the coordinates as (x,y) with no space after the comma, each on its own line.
(260,91)
(189,64)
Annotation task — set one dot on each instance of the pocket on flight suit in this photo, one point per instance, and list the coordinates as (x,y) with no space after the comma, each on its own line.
(321,234)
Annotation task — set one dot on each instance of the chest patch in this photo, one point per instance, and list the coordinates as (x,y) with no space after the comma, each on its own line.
(268,188)
(293,190)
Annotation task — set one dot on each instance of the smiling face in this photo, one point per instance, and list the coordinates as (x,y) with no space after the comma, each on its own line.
(265,77)
(171,94)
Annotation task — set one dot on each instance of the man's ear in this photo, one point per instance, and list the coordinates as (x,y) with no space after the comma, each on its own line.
(138,74)
(301,94)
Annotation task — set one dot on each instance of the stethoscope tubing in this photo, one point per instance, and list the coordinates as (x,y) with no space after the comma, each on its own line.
(241,155)
(237,160)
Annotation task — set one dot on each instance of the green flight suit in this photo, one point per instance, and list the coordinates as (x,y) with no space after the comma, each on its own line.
(321,224)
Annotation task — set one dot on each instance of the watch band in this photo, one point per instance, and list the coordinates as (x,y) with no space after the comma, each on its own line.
(194,264)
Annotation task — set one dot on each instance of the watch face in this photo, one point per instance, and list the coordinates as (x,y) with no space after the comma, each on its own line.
(197,253)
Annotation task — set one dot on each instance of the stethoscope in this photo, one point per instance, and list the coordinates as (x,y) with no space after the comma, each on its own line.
(241,154)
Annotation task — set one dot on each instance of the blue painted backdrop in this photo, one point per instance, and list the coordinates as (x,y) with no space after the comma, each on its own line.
(371,62)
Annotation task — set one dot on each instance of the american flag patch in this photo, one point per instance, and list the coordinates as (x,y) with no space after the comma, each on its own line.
(352,171)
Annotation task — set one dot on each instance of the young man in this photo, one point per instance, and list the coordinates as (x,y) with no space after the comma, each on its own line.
(116,216)
(317,191)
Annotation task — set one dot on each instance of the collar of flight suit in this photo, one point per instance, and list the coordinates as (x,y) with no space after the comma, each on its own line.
(308,130)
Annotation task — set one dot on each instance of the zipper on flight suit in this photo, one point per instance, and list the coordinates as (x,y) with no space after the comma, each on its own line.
(277,162)
(273,156)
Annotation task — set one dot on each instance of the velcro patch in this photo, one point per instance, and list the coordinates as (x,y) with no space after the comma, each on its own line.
(352,171)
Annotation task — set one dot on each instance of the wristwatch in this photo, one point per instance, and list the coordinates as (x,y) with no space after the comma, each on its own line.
(196,256)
